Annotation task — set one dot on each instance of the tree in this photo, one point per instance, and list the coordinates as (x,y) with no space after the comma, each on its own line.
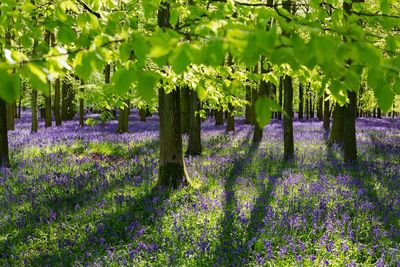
(4,159)
(194,145)
(185,109)
(301,102)
(172,173)
(327,115)
(57,99)
(288,120)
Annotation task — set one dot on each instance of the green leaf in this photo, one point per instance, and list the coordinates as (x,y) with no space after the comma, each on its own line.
(213,53)
(180,59)
(384,96)
(9,86)
(147,81)
(385,6)
(263,111)
(37,77)
(122,80)
(174,17)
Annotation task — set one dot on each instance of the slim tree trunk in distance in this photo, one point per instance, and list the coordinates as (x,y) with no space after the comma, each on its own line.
(288,120)
(4,158)
(194,145)
(337,126)
(57,98)
(219,117)
(230,119)
(320,109)
(48,113)
(248,111)
(82,106)
(301,101)
(11,117)
(142,114)
(34,126)
(349,124)
(327,116)
(280,97)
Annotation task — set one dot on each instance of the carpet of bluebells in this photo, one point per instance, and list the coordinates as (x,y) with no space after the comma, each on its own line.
(85,197)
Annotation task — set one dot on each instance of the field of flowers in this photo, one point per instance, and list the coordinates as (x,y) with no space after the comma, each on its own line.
(85,197)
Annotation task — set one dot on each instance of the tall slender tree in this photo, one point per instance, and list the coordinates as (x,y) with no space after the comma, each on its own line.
(301,101)
(194,144)
(172,172)
(4,158)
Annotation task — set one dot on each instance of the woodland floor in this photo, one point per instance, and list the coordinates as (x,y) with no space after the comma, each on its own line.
(84,197)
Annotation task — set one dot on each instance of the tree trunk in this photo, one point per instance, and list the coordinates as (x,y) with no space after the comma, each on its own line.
(48,115)
(248,112)
(230,119)
(320,114)
(301,102)
(172,173)
(185,109)
(68,96)
(34,126)
(379,113)
(327,116)
(142,114)
(288,120)
(82,106)
(349,124)
(4,158)
(219,117)
(194,145)
(337,126)
(123,122)
(307,105)
(57,106)
(11,117)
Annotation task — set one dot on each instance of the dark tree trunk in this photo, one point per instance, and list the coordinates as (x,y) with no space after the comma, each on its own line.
(185,109)
(4,158)
(337,126)
(142,114)
(301,101)
(230,119)
(379,113)
(248,112)
(194,145)
(349,124)
(307,105)
(320,114)
(327,116)
(82,106)
(11,117)
(34,126)
(172,173)
(48,116)
(123,121)
(68,96)
(311,106)
(57,106)
(288,120)
(280,97)
(219,117)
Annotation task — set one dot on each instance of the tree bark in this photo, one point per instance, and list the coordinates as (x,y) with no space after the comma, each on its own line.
(11,117)
(185,109)
(4,158)
(142,114)
(288,120)
(172,173)
(57,106)
(68,96)
(34,125)
(194,145)
(337,126)
(48,115)
(301,102)
(349,124)
(123,122)
(219,117)
(82,106)
(379,113)
(327,117)
(230,119)
(320,114)
(248,111)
